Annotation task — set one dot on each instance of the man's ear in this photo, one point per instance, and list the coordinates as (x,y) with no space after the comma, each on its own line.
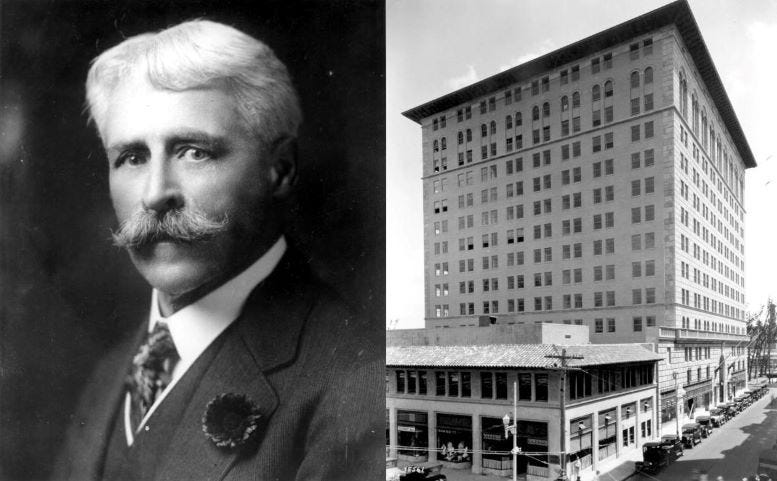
(283,171)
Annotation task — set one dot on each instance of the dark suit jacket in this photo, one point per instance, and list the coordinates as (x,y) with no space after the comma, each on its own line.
(296,352)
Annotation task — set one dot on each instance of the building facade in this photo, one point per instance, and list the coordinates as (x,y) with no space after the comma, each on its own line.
(447,403)
(602,185)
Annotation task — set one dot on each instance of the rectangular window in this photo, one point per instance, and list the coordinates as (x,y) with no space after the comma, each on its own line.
(453,384)
(524,386)
(501,381)
(540,387)
(634,133)
(487,385)
(648,130)
(439,378)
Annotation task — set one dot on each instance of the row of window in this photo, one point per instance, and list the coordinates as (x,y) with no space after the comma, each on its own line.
(639,242)
(711,305)
(581,383)
(599,324)
(709,326)
(545,303)
(493,385)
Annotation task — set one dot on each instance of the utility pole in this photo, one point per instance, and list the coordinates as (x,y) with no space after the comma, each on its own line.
(562,385)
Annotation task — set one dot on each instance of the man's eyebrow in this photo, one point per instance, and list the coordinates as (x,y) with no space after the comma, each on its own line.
(129,145)
(214,142)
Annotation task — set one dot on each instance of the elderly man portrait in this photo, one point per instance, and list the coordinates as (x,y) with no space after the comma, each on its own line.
(246,356)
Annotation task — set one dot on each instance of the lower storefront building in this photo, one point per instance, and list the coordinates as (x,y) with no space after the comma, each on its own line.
(449,405)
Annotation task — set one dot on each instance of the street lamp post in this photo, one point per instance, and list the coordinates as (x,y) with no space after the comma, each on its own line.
(513,428)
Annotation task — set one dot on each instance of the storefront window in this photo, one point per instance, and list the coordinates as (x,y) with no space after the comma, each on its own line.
(607,433)
(580,440)
(496,448)
(533,438)
(454,436)
(412,435)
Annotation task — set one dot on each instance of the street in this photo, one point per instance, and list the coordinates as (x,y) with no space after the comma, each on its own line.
(732,450)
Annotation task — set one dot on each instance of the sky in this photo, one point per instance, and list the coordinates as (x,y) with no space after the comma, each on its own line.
(436,46)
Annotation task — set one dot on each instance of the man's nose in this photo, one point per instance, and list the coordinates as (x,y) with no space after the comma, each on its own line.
(162,190)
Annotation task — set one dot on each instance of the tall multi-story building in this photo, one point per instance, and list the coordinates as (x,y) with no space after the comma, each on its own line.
(600,184)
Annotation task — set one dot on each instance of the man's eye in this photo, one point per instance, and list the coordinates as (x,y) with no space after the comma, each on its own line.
(130,158)
(194,154)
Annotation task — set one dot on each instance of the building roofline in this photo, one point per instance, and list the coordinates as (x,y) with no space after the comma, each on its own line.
(516,356)
(677,13)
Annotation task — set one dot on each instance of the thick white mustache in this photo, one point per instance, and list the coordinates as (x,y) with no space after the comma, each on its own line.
(180,225)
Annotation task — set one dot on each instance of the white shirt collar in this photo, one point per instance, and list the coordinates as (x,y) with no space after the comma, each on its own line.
(197,325)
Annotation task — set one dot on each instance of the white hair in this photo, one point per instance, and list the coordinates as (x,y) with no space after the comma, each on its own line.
(197,54)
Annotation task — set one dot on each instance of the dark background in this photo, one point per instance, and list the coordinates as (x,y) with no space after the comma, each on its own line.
(59,276)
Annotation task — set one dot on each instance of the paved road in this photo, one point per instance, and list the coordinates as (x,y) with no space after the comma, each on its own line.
(732,450)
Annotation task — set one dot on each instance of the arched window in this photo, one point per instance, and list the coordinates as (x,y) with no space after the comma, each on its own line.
(518,119)
(469,135)
(443,143)
(608,89)
(649,75)
(596,93)
(576,100)
(683,94)
(436,145)
(461,137)
(695,107)
(564,103)
(704,128)
(509,122)
(483,130)
(493,127)
(634,80)
(535,113)
(546,109)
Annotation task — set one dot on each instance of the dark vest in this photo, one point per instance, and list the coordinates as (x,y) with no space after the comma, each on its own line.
(140,461)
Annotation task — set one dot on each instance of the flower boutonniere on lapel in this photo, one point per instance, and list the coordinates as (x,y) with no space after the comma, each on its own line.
(231,420)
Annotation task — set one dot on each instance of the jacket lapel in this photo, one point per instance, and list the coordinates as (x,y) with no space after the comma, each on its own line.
(264,337)
(100,405)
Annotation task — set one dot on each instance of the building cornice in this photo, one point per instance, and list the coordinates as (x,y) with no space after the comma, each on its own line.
(676,13)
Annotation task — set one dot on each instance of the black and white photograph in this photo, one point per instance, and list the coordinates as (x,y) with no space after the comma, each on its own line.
(192,240)
(580,276)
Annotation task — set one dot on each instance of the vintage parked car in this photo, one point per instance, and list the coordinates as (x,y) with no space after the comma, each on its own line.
(674,442)
(654,457)
(718,416)
(657,454)
(691,435)
(706,425)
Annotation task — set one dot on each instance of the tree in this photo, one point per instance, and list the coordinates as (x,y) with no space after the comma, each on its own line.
(763,335)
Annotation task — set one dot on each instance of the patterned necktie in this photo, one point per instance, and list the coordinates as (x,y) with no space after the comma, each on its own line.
(152,370)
